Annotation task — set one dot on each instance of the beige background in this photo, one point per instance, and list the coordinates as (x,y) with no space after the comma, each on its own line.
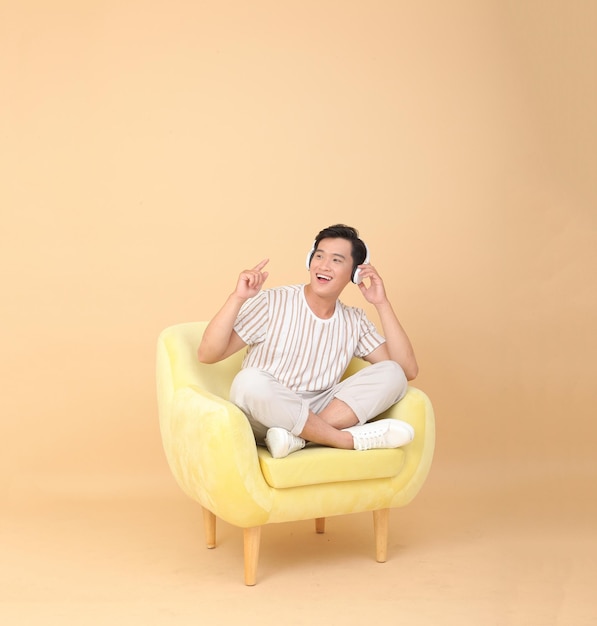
(151,150)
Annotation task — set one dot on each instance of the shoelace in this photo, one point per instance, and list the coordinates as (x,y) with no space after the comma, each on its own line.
(371,439)
(293,443)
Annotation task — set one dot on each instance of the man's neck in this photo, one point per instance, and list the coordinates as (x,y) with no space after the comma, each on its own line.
(322,307)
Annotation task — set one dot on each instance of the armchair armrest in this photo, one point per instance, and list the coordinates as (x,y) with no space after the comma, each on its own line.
(416,409)
(213,457)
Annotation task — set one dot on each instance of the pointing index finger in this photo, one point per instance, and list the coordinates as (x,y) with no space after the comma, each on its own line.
(261,265)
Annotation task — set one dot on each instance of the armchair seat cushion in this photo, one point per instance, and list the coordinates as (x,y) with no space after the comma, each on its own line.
(314,465)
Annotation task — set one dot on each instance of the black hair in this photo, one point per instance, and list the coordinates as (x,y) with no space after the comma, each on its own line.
(341,231)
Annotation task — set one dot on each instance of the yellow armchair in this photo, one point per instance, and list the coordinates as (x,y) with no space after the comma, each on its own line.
(212,453)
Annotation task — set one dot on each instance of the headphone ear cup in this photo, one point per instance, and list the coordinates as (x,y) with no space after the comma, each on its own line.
(356,275)
(310,256)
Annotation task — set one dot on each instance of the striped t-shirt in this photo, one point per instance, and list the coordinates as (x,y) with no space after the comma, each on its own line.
(301,350)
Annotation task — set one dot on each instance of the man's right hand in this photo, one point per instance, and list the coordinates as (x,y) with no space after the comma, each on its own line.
(250,281)
(219,339)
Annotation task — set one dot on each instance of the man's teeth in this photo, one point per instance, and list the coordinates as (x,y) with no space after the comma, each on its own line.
(324,277)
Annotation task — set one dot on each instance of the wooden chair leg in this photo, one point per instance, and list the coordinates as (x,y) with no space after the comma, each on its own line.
(380,528)
(209,521)
(320,525)
(252,539)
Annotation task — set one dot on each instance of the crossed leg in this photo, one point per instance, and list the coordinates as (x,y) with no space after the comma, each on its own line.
(267,404)
(326,427)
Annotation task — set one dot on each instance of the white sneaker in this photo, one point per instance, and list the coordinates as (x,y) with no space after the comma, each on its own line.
(281,443)
(386,433)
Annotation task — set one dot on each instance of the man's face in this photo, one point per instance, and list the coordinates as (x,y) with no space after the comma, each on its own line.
(331,266)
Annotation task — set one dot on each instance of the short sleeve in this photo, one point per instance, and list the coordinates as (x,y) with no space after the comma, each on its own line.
(369,338)
(252,320)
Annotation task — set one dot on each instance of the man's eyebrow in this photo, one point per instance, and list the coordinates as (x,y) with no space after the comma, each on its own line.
(333,253)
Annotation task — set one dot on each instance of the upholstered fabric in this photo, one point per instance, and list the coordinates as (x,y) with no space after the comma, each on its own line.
(211,450)
(315,465)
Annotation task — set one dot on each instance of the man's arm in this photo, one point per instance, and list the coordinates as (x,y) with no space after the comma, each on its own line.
(397,347)
(219,339)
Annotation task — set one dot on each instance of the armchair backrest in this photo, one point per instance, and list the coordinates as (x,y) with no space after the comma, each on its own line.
(179,367)
(180,344)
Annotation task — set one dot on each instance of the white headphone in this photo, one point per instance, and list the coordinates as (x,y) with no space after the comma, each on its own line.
(355,276)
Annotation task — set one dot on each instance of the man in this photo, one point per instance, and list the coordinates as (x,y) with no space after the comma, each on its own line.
(300,340)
